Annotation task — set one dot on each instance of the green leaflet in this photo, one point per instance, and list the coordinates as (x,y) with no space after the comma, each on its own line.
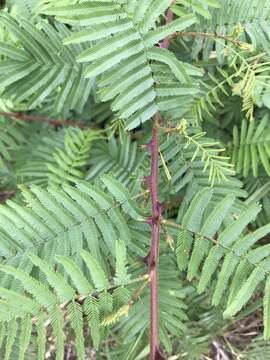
(232,259)
(250,147)
(193,216)
(162,32)
(20,301)
(198,6)
(121,275)
(41,336)
(71,161)
(12,137)
(266,310)
(106,303)
(200,250)
(121,194)
(43,296)
(121,158)
(209,228)
(75,314)
(183,247)
(12,329)
(97,274)
(57,320)
(63,290)
(218,214)
(25,336)
(152,13)
(91,309)
(76,275)
(245,292)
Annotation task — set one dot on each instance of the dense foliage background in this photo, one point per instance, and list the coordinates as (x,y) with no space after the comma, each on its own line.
(84,87)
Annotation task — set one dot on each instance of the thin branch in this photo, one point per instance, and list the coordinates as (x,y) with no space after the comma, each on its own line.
(39,118)
(208,35)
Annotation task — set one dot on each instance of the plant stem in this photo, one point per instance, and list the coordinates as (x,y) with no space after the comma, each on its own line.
(39,118)
(208,35)
(155,223)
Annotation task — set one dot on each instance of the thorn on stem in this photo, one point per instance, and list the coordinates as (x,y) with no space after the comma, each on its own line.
(146,259)
(147,181)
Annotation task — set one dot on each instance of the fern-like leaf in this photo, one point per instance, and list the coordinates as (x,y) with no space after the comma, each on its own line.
(135,96)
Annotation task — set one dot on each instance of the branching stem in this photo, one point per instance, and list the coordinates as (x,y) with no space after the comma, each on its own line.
(40,118)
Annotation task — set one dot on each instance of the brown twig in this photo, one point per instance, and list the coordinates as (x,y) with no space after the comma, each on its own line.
(207,35)
(40,118)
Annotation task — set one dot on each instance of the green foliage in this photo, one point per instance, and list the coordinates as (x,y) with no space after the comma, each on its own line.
(118,157)
(59,221)
(38,67)
(76,216)
(31,161)
(239,267)
(128,77)
(249,24)
(46,301)
(250,147)
(244,77)
(12,136)
(258,349)
(200,7)
(71,160)
(189,168)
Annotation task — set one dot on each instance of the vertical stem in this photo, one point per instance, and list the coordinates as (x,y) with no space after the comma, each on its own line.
(155,224)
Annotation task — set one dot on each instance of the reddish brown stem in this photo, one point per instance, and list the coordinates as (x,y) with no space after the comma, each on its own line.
(153,260)
(155,221)
(40,118)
